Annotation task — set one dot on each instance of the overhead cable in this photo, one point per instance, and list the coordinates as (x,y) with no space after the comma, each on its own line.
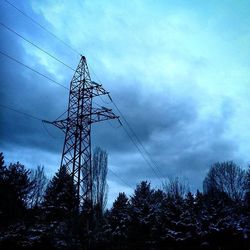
(117,176)
(41,26)
(44,51)
(20,112)
(28,67)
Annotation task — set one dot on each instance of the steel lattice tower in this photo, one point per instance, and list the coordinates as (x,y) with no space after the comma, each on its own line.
(76,155)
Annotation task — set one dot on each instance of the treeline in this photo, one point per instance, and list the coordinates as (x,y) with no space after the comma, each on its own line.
(37,213)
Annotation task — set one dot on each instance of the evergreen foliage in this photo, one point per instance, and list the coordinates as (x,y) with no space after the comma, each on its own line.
(119,219)
(60,197)
(247,196)
(171,218)
(15,186)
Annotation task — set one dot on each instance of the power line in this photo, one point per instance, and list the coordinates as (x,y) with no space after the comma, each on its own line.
(138,140)
(20,112)
(117,176)
(140,151)
(61,115)
(47,131)
(114,127)
(30,116)
(37,72)
(39,119)
(148,160)
(43,76)
(41,26)
(44,51)
(33,117)
(132,131)
(51,33)
(134,134)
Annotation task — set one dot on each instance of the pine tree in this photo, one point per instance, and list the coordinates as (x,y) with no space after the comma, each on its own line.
(19,179)
(140,226)
(247,188)
(172,219)
(1,160)
(3,169)
(60,200)
(156,217)
(15,186)
(188,222)
(119,218)
(4,192)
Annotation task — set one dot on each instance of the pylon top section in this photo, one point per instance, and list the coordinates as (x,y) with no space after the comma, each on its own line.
(76,155)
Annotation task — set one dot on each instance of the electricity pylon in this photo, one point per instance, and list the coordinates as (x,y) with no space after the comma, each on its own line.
(76,155)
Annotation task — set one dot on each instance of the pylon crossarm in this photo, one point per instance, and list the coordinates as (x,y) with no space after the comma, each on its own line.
(102,114)
(98,89)
(44,121)
(61,124)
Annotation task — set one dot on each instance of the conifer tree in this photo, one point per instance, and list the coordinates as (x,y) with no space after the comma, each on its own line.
(4,190)
(140,226)
(60,197)
(247,188)
(173,209)
(1,160)
(19,179)
(187,224)
(15,185)
(156,216)
(119,218)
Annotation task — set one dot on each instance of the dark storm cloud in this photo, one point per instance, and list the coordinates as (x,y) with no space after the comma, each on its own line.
(162,78)
(186,148)
(26,91)
(146,114)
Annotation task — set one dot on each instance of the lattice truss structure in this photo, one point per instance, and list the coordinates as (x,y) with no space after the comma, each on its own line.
(81,114)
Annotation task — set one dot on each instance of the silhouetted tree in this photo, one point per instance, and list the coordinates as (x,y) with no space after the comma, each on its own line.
(100,187)
(19,180)
(156,217)
(247,187)
(140,226)
(188,219)
(5,191)
(151,219)
(1,161)
(119,218)
(173,209)
(15,185)
(176,188)
(60,200)
(40,181)
(226,177)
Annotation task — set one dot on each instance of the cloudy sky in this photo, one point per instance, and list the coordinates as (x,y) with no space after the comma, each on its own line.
(178,71)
